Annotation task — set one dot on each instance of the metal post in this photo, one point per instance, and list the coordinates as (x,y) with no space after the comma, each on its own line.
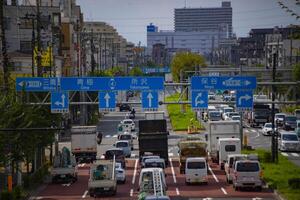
(38,28)
(241,130)
(33,46)
(273,110)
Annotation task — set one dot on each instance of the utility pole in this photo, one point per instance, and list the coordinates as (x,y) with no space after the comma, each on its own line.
(38,30)
(93,63)
(274,139)
(4,49)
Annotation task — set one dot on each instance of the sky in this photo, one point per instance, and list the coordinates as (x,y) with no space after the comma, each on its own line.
(130,17)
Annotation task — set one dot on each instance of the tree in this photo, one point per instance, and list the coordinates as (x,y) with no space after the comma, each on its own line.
(136,71)
(296,72)
(185,61)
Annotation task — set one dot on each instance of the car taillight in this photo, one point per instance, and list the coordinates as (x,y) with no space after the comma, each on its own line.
(76,149)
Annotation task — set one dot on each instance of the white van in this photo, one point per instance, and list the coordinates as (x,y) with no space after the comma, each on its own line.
(196,170)
(227,146)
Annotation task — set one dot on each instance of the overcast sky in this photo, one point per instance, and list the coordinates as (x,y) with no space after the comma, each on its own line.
(130,17)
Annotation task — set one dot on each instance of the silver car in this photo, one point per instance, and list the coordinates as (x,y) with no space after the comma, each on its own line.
(125,146)
(288,141)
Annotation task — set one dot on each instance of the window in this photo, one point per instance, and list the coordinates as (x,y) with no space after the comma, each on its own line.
(26,23)
(25,46)
(196,165)
(122,144)
(229,148)
(247,167)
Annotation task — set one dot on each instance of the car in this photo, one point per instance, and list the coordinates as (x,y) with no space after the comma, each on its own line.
(227,98)
(288,141)
(124,107)
(214,116)
(236,117)
(144,158)
(229,115)
(226,110)
(211,96)
(279,118)
(117,153)
(125,146)
(297,130)
(289,122)
(120,173)
(154,162)
(129,93)
(128,123)
(196,170)
(267,129)
(247,173)
(229,163)
(126,136)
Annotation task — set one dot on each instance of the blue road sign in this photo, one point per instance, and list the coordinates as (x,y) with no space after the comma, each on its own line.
(244,100)
(37,84)
(59,102)
(107,101)
(223,82)
(150,100)
(111,83)
(152,70)
(199,100)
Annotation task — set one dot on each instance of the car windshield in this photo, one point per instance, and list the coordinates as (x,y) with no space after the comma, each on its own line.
(215,114)
(247,167)
(110,154)
(228,110)
(122,144)
(236,117)
(279,116)
(118,165)
(291,119)
(125,137)
(268,125)
(154,164)
(290,137)
(149,157)
(233,114)
(196,165)
(127,122)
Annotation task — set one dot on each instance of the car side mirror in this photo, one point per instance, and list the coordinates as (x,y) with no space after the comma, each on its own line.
(114,145)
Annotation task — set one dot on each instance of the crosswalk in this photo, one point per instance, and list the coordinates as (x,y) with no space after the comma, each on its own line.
(296,155)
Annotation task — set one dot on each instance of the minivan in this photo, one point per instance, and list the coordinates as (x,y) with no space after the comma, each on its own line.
(247,173)
(289,122)
(126,137)
(288,141)
(125,146)
(196,170)
(229,165)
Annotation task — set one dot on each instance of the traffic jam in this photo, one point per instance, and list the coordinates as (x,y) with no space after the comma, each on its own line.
(213,167)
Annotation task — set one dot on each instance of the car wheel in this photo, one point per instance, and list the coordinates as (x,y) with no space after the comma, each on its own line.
(236,188)
(123,182)
(259,188)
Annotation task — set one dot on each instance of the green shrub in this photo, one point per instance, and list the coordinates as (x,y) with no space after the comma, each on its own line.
(267,157)
(294,183)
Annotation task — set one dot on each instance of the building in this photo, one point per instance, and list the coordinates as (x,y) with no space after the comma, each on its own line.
(204,19)
(201,42)
(21,39)
(110,48)
(159,54)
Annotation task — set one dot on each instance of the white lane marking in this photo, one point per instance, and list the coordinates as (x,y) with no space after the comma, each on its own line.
(131,192)
(171,154)
(211,171)
(256,198)
(84,195)
(253,131)
(177,191)
(257,135)
(284,154)
(295,154)
(172,169)
(114,136)
(134,172)
(223,190)
(108,136)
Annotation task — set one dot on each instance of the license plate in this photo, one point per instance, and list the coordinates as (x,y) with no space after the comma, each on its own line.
(62,176)
(105,189)
(248,178)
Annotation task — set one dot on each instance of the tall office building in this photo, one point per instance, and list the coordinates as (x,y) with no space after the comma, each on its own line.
(205,19)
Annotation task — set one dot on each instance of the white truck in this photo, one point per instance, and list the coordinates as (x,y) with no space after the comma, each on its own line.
(227,146)
(154,115)
(64,167)
(217,130)
(84,143)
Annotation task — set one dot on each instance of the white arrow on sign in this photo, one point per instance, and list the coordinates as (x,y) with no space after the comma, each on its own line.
(150,97)
(247,82)
(62,103)
(245,97)
(106,97)
(199,101)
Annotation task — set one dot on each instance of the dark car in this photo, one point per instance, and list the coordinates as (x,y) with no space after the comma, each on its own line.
(129,93)
(289,122)
(118,153)
(125,107)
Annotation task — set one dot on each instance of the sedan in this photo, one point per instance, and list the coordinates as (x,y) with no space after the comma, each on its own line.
(120,173)
(267,129)
(124,107)
(128,123)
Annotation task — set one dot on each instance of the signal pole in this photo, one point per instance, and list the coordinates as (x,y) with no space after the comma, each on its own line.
(38,30)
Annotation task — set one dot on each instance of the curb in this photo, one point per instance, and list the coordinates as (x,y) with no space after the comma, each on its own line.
(278,196)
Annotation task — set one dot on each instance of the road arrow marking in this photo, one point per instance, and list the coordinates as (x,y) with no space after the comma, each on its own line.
(245,97)
(106,97)
(150,97)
